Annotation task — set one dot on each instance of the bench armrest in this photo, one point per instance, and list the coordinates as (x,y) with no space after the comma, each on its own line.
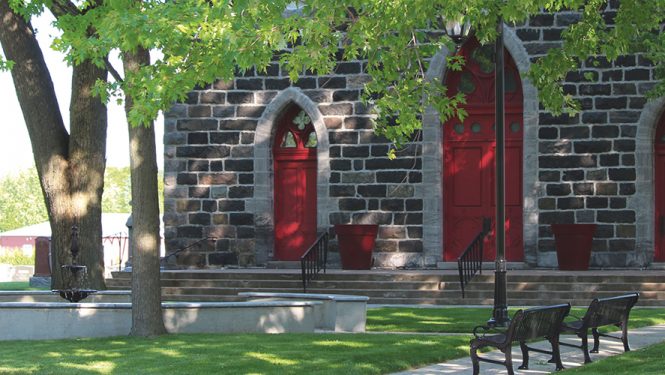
(486,329)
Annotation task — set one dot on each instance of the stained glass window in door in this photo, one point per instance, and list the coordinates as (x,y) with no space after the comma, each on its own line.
(289,140)
(311,140)
(466,84)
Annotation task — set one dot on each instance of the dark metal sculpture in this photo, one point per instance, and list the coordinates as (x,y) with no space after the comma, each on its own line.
(74,274)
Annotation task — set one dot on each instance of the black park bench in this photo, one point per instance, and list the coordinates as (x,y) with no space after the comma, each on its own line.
(602,312)
(533,323)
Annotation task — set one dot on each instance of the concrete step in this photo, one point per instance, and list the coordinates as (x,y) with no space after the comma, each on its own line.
(413,287)
(618,276)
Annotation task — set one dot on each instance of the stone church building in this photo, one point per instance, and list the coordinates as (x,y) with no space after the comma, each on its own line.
(262,164)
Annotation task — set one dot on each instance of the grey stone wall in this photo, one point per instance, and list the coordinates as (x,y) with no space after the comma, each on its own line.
(594,167)
(587,167)
(218,166)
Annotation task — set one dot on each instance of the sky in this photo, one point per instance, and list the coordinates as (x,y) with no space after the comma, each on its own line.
(15,150)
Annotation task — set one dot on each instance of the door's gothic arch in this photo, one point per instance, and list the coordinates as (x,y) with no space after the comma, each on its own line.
(468,155)
(433,168)
(262,204)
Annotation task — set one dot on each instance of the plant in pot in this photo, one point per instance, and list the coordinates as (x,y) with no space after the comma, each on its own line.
(573,245)
(356,243)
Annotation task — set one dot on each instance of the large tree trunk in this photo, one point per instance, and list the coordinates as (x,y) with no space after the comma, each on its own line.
(70,167)
(147,319)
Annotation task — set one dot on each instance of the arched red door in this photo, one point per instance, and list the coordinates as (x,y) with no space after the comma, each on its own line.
(659,159)
(469,149)
(294,155)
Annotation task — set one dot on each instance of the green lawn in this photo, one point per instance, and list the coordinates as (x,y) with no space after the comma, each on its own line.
(293,353)
(231,354)
(462,320)
(650,360)
(17,285)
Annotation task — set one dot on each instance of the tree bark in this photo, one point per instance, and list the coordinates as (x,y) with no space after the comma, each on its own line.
(69,166)
(147,319)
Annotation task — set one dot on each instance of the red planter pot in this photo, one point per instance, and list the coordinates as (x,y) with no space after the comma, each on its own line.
(356,242)
(573,245)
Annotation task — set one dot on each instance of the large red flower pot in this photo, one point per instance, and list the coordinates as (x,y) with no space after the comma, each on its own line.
(573,245)
(356,242)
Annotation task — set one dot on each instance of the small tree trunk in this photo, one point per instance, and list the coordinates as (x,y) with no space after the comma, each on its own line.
(147,319)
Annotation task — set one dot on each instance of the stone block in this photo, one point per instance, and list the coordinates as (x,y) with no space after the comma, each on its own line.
(223,111)
(558,189)
(228,205)
(340,137)
(222,258)
(595,146)
(346,95)
(332,82)
(616,216)
(240,97)
(583,188)
(606,188)
(197,124)
(203,152)
(236,218)
(611,102)
(622,174)
(342,190)
(217,178)
(190,231)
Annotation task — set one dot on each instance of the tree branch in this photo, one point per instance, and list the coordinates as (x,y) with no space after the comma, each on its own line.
(112,70)
(60,8)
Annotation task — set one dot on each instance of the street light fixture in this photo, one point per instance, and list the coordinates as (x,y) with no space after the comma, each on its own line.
(459,32)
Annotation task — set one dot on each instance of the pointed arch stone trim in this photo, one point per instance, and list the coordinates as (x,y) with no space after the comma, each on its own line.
(433,157)
(262,203)
(643,201)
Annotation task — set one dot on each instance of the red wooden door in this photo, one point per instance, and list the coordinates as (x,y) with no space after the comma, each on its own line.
(469,149)
(660,191)
(294,155)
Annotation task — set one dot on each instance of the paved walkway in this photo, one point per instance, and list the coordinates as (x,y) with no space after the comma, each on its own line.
(571,357)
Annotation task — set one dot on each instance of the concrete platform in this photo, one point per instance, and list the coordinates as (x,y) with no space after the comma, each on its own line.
(338,312)
(104,296)
(44,320)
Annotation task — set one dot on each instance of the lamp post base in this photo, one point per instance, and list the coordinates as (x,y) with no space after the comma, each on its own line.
(500,316)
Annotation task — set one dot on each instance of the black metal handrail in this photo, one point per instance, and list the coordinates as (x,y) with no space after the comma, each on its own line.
(164,259)
(471,261)
(314,260)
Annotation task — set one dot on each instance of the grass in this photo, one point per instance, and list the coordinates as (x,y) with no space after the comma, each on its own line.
(462,320)
(231,354)
(649,360)
(17,285)
(296,353)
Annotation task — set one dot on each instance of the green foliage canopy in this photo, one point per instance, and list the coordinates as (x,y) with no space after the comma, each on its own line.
(21,201)
(202,41)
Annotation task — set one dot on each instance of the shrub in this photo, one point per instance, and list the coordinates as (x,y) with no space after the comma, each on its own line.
(16,257)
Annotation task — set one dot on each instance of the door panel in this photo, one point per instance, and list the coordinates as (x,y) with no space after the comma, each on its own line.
(295,167)
(659,192)
(469,153)
(295,208)
(467,191)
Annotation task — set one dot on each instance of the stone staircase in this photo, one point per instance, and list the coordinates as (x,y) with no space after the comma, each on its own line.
(437,287)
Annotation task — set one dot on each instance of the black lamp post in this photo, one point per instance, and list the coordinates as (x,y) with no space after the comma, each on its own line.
(459,33)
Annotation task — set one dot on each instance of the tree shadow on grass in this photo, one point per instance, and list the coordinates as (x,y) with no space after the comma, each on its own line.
(237,353)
